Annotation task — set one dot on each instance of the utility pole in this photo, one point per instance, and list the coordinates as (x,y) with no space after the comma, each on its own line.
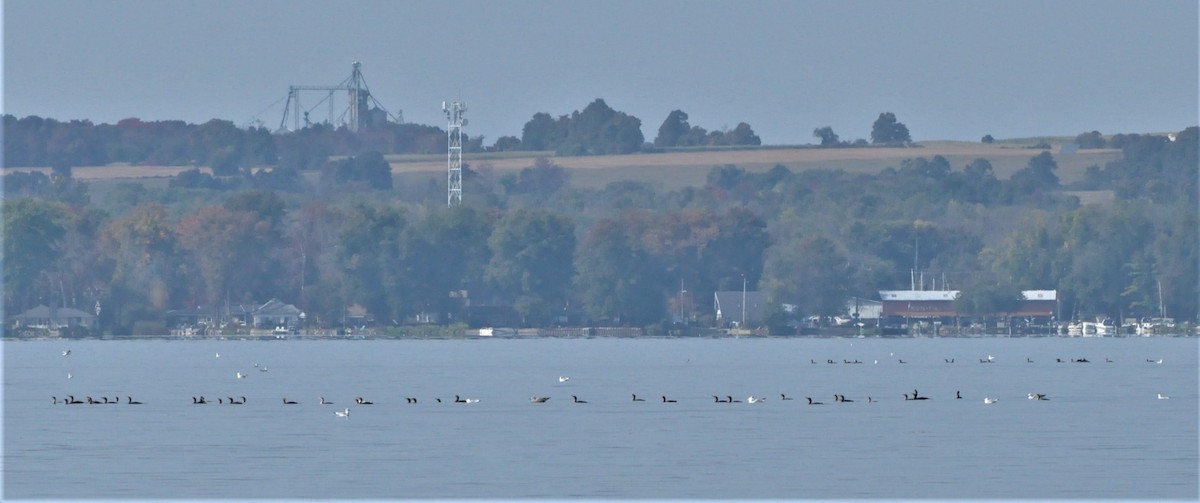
(743,301)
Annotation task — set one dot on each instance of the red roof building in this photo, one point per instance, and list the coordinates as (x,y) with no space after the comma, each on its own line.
(940,303)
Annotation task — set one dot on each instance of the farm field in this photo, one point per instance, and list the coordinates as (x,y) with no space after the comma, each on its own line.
(673,170)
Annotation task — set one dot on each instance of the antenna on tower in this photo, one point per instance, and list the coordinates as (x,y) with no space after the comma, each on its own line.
(454,114)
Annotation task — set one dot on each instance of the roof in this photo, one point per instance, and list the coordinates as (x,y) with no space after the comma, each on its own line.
(276,307)
(917,295)
(931,295)
(1040,294)
(42,311)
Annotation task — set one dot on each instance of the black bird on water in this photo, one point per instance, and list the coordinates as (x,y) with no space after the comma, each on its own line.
(915,396)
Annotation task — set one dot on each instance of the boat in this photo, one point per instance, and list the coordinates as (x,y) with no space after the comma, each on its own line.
(1147,327)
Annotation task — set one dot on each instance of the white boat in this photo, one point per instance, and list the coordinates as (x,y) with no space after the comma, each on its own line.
(1102,327)
(1155,326)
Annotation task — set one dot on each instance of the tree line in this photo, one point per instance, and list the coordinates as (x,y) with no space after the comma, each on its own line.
(623,254)
(229,150)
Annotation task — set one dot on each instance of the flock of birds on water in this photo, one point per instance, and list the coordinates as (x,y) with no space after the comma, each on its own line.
(345,412)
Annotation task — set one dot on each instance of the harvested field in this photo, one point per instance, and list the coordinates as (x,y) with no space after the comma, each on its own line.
(116,171)
(678,169)
(672,170)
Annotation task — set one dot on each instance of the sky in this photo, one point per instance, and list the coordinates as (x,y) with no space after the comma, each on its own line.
(948,70)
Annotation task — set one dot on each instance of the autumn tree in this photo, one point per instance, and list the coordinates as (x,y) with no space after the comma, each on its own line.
(147,272)
(618,279)
(232,250)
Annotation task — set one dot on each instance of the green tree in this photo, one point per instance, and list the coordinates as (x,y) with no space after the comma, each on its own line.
(600,130)
(542,132)
(1027,256)
(1035,178)
(936,169)
(987,298)
(531,263)
(827,136)
(1141,291)
(812,274)
(742,134)
(1177,259)
(368,170)
(673,130)
(507,144)
(888,131)
(443,253)
(1090,140)
(33,233)
(542,179)
(218,143)
(26,184)
(369,249)
(311,262)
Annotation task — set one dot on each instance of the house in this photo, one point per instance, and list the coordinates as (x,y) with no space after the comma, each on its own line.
(191,316)
(275,314)
(865,310)
(55,318)
(732,311)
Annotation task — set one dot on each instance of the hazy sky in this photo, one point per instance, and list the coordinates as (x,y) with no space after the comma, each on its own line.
(947,69)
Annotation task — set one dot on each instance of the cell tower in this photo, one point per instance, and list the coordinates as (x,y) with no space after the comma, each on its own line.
(454,114)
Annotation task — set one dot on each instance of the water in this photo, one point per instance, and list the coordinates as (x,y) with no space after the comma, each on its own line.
(1102,434)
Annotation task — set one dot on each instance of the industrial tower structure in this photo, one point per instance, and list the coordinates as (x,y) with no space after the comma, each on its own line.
(359,97)
(454,115)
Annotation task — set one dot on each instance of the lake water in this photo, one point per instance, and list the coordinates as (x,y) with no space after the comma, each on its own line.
(1102,434)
